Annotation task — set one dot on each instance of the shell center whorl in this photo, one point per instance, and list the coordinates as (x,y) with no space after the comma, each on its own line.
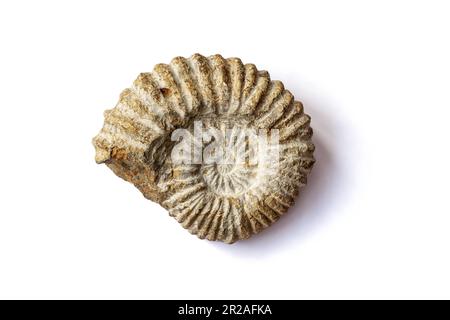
(227,154)
(229,180)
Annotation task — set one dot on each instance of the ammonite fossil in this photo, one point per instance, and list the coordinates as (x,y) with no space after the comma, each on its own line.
(216,142)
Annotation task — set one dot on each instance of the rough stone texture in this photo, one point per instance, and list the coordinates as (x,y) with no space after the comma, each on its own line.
(216,202)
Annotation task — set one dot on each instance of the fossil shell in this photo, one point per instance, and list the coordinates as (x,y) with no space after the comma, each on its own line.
(225,202)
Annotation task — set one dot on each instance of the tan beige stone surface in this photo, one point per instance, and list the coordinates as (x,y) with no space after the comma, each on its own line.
(213,201)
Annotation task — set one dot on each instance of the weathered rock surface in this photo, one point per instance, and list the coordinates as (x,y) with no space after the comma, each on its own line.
(226,202)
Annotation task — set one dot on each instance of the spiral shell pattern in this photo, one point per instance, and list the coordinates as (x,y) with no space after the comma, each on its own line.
(225,202)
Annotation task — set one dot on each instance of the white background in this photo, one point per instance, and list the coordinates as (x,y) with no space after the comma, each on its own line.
(373,221)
